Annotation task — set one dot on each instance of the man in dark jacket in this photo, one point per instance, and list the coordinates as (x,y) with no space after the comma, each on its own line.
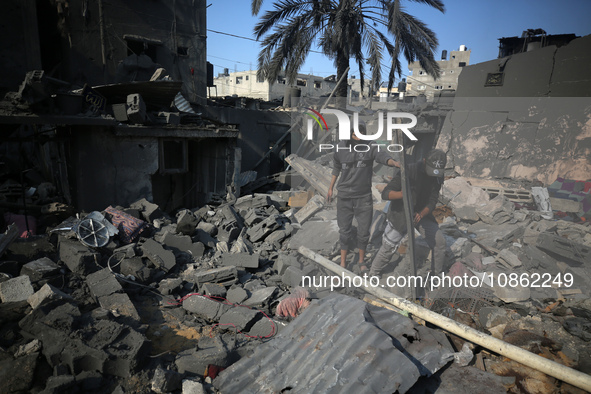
(426,178)
(353,166)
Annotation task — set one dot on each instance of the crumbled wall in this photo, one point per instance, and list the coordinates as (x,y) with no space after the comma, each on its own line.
(536,126)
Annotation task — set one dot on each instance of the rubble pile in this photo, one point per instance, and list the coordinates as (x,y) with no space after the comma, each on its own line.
(134,300)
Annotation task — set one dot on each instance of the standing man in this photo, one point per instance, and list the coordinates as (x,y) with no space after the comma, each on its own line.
(353,165)
(426,178)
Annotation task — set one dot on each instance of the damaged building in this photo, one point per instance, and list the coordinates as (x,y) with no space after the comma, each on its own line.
(158,241)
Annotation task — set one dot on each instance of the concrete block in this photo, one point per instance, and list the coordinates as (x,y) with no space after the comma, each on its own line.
(244,260)
(285,260)
(186,222)
(32,347)
(205,238)
(170,285)
(493,316)
(60,384)
(292,276)
(120,112)
(135,267)
(17,375)
(509,257)
(264,328)
(213,290)
(236,295)
(260,297)
(261,200)
(78,258)
(136,108)
(121,304)
(193,387)
(264,228)
(162,258)
(278,236)
(39,269)
(149,211)
(205,307)
(183,243)
(240,317)
(17,289)
(103,283)
(212,351)
(315,204)
(47,293)
(253,216)
(165,381)
(209,228)
(224,275)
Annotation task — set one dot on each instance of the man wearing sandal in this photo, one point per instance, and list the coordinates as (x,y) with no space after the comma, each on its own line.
(354,169)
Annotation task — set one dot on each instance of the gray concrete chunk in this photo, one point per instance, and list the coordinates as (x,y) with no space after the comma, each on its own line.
(183,243)
(46,293)
(213,290)
(222,275)
(103,283)
(161,257)
(260,296)
(292,276)
(244,260)
(240,317)
(77,257)
(17,289)
(39,269)
(205,307)
(236,295)
(186,222)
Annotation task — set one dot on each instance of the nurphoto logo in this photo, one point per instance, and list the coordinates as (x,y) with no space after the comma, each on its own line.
(345,129)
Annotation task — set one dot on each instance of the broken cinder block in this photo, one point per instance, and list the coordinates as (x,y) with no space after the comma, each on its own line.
(243,260)
(47,293)
(161,257)
(16,289)
(40,268)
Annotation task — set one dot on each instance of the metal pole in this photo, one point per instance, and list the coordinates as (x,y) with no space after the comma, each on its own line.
(408,212)
(551,368)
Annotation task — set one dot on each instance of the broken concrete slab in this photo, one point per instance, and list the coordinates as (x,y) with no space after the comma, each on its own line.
(119,303)
(264,228)
(193,387)
(183,243)
(213,290)
(205,307)
(149,211)
(16,289)
(260,296)
(240,317)
(509,258)
(316,236)
(497,211)
(135,267)
(186,222)
(292,276)
(564,247)
(493,316)
(40,268)
(17,375)
(315,204)
(165,380)
(243,260)
(161,257)
(285,260)
(224,275)
(236,295)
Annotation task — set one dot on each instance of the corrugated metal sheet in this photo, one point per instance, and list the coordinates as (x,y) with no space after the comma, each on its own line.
(340,345)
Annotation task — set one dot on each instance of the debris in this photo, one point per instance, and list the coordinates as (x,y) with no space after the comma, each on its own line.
(564,247)
(162,258)
(244,260)
(17,289)
(314,205)
(47,293)
(542,200)
(464,356)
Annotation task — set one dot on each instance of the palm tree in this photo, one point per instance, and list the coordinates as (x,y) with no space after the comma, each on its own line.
(344,30)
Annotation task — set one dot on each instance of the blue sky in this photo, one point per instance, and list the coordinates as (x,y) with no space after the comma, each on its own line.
(475,23)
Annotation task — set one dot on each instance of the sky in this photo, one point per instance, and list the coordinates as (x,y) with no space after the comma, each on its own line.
(478,24)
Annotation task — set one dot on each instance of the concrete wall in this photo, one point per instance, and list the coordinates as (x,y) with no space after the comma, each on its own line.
(259,130)
(419,82)
(535,127)
(109,170)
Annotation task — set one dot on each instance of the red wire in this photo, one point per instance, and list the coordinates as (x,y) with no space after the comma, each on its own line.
(214,298)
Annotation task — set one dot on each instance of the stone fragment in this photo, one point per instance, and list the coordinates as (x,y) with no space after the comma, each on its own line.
(161,257)
(205,307)
(40,268)
(244,260)
(78,258)
(47,293)
(16,289)
(240,317)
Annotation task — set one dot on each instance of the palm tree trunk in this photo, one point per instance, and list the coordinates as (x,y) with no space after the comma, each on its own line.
(341,92)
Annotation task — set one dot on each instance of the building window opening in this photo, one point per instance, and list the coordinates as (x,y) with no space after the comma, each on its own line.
(182,51)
